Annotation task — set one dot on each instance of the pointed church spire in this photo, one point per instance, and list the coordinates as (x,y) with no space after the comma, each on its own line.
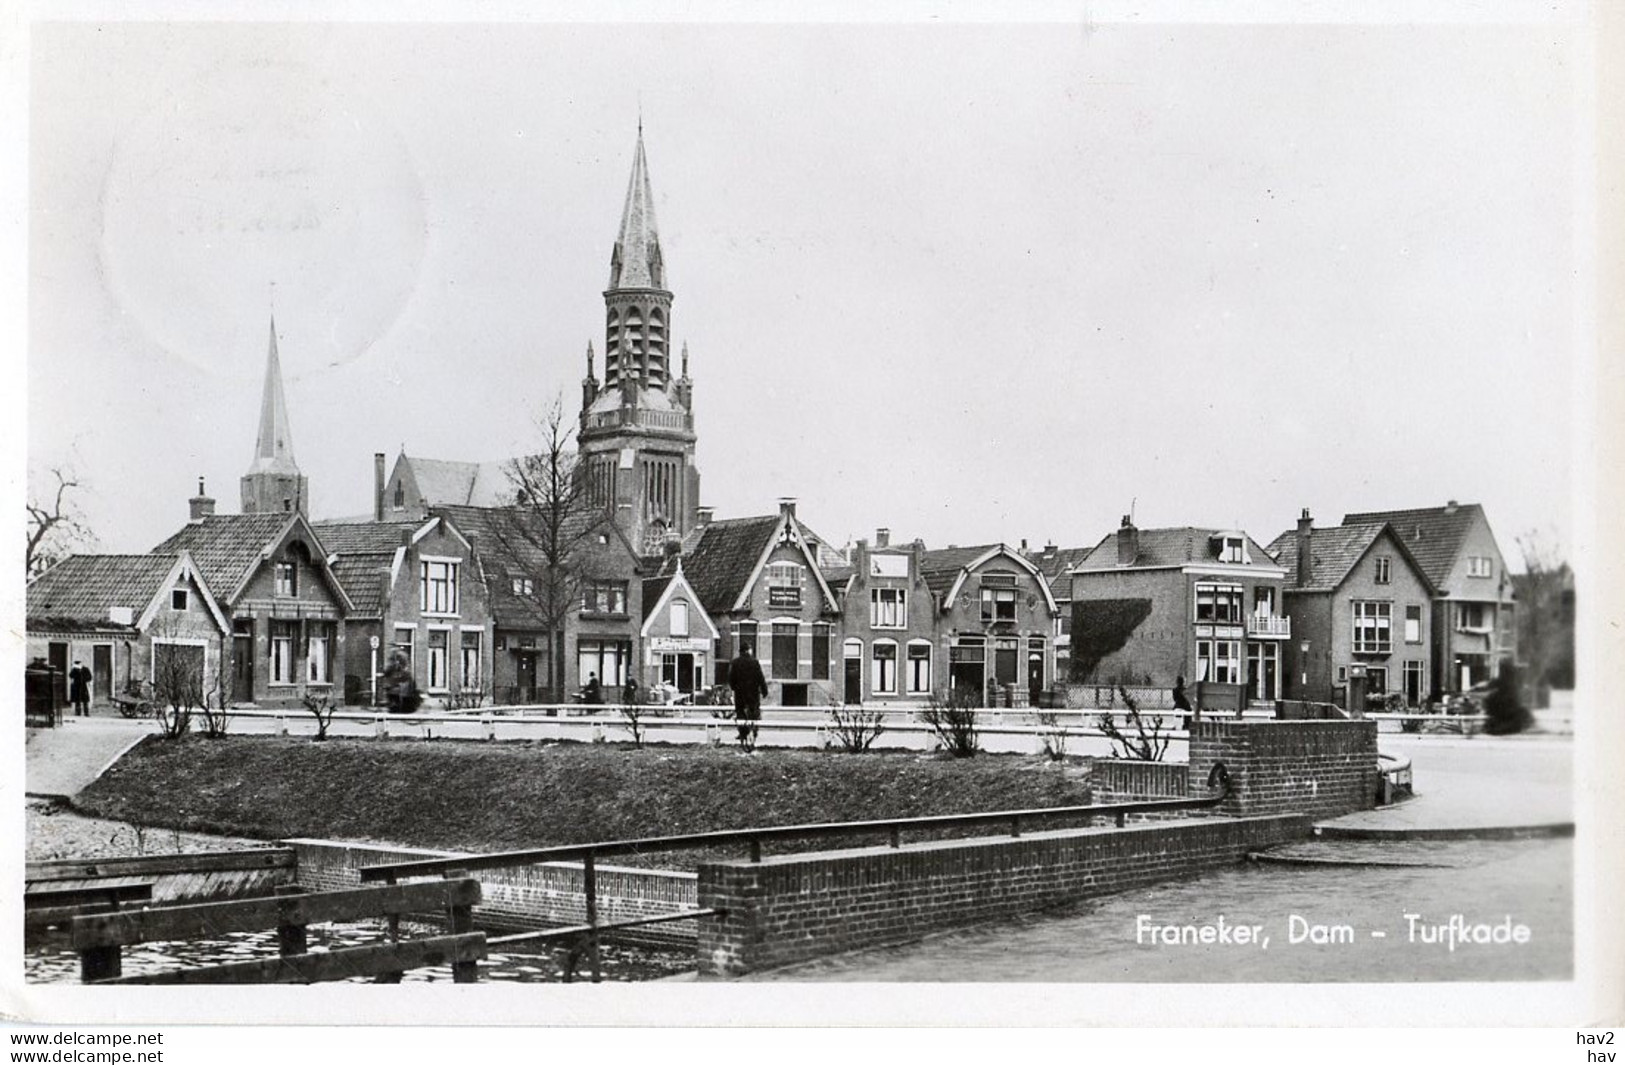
(589,361)
(273,481)
(273,447)
(685,358)
(636,262)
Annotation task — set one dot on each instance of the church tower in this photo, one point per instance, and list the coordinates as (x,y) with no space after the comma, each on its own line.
(273,482)
(637,429)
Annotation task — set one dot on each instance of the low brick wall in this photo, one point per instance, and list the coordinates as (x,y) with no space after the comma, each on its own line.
(1319,768)
(1121,779)
(790,908)
(524,897)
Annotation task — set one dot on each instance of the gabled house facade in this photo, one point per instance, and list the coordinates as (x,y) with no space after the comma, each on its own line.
(995,624)
(285,604)
(678,639)
(417,592)
(1150,606)
(1474,623)
(888,624)
(601,620)
(121,615)
(1360,606)
(759,579)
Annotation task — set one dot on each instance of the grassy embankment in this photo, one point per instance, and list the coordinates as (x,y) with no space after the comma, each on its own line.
(481,796)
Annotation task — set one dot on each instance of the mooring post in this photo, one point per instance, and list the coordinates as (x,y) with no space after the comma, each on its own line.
(896,837)
(394,937)
(290,937)
(460,919)
(589,884)
(102,963)
(1122,819)
(755,849)
(1015,826)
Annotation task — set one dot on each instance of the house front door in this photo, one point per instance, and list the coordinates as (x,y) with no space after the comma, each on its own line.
(853,693)
(101,671)
(57,655)
(525,676)
(242,660)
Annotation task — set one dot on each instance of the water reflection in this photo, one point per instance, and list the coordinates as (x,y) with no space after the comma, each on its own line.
(532,964)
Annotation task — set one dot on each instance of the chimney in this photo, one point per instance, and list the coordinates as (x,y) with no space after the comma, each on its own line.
(406,536)
(673,545)
(201,505)
(1128,542)
(378,486)
(787,506)
(703,516)
(1306,526)
(1450,507)
(860,559)
(882,537)
(1024,545)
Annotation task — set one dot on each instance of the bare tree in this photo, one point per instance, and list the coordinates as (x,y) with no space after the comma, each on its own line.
(1545,616)
(953,721)
(546,531)
(322,707)
(55,524)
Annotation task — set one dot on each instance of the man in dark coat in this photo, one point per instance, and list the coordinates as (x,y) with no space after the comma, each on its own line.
(79,689)
(745,677)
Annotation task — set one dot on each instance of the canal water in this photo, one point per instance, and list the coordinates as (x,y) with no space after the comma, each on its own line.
(1116,938)
(530,964)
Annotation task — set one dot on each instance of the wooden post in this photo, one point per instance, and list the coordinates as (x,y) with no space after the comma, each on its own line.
(290,938)
(101,963)
(460,919)
(589,884)
(755,849)
(394,937)
(1015,826)
(1122,819)
(896,837)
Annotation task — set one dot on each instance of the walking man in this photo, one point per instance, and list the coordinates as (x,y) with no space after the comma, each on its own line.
(745,676)
(79,689)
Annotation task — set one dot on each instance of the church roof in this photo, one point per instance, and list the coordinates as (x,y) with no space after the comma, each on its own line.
(463,484)
(636,262)
(273,444)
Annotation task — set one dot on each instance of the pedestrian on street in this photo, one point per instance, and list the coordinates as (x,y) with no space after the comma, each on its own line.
(745,675)
(79,689)
(592,691)
(631,691)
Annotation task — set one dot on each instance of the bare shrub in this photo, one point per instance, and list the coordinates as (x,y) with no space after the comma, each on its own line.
(1053,735)
(855,728)
(1145,739)
(177,686)
(322,707)
(953,721)
(633,712)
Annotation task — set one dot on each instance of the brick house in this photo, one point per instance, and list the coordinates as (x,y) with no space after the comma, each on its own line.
(1150,606)
(888,623)
(760,581)
(679,642)
(271,577)
(119,615)
(417,591)
(995,623)
(1358,600)
(600,634)
(1474,622)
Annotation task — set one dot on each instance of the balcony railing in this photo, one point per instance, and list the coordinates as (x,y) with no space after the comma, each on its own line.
(1269,625)
(652,419)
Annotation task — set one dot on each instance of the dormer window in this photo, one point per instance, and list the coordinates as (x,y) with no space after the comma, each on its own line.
(1232,549)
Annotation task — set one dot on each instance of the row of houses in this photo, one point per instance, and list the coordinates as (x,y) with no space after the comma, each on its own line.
(274,607)
(442,577)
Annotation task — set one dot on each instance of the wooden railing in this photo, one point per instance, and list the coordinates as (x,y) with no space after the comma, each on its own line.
(100,938)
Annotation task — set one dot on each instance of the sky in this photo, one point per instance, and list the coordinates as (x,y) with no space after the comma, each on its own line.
(968,282)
